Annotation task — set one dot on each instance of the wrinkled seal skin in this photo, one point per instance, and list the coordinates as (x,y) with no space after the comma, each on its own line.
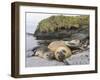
(61,51)
(43,52)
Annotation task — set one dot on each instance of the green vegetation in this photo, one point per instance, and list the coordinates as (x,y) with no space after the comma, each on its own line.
(53,23)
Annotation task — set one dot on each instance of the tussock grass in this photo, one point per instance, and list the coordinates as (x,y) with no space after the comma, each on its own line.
(53,23)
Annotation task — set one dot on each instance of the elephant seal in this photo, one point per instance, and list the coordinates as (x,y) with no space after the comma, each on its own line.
(61,51)
(43,52)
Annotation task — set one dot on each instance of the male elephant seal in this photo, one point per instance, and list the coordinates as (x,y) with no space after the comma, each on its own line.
(61,51)
(43,52)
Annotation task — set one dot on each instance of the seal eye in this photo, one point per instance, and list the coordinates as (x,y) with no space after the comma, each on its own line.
(63,51)
(47,55)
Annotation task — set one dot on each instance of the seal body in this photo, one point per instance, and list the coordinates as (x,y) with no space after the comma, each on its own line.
(61,51)
(53,46)
(43,52)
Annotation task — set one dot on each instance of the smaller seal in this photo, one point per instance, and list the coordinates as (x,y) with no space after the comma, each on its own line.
(43,52)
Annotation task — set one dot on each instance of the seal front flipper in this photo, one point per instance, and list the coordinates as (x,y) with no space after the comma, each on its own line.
(35,50)
(32,52)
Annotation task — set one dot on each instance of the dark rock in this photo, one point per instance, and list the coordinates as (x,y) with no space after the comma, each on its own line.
(80,36)
(67,34)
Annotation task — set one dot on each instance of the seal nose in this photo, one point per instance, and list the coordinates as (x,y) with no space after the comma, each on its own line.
(61,56)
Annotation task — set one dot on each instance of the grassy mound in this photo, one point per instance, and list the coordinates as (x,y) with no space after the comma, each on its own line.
(53,23)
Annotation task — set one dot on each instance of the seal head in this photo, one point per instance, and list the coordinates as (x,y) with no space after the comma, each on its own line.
(62,53)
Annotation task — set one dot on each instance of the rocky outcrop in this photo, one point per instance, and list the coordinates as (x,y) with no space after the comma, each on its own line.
(68,34)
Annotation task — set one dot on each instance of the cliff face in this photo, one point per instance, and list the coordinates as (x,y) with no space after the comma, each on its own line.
(62,27)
